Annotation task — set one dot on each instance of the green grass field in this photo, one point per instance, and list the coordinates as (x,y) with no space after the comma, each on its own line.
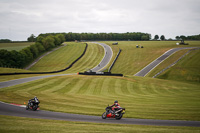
(63,57)
(15,46)
(143,97)
(10,124)
(60,58)
(66,55)
(187,69)
(171,59)
(132,59)
(92,58)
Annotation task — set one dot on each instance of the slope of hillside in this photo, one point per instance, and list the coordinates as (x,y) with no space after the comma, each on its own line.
(147,98)
(132,59)
(60,58)
(187,69)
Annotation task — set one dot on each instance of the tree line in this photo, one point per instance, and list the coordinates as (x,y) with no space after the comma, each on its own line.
(5,41)
(19,59)
(193,37)
(182,37)
(137,36)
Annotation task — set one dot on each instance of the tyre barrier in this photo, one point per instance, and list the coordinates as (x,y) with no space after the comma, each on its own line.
(100,73)
(18,73)
(114,60)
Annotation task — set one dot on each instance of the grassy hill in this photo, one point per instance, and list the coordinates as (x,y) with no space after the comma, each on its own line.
(132,59)
(171,59)
(143,97)
(60,58)
(187,69)
(92,58)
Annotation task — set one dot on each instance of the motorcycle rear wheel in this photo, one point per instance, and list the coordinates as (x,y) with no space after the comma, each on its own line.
(104,115)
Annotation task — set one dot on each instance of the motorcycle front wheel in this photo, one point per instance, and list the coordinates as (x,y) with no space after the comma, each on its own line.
(104,115)
(35,107)
(119,117)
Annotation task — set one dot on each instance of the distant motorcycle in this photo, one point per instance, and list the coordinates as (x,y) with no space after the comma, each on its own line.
(33,104)
(111,114)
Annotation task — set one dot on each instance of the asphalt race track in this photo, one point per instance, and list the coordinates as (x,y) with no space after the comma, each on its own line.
(156,62)
(106,59)
(11,110)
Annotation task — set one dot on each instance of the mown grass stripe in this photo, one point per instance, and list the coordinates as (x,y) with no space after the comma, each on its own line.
(60,87)
(84,87)
(92,86)
(142,97)
(78,84)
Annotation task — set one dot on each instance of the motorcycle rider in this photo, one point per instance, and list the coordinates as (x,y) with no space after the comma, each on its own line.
(34,100)
(115,107)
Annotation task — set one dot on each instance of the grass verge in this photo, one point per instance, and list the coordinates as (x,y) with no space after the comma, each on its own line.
(186,70)
(167,62)
(9,124)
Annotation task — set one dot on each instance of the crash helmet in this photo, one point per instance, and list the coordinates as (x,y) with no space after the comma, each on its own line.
(116,102)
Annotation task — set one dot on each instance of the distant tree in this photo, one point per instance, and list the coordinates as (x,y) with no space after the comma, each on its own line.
(40,47)
(182,37)
(5,41)
(32,38)
(57,40)
(156,37)
(48,42)
(177,38)
(29,56)
(62,38)
(193,37)
(162,37)
(34,50)
(16,59)
(39,39)
(145,37)
(25,58)
(4,58)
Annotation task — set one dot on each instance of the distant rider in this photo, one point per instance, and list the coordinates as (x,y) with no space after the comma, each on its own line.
(34,100)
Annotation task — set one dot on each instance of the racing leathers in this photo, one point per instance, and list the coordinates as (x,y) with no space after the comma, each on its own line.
(34,100)
(115,108)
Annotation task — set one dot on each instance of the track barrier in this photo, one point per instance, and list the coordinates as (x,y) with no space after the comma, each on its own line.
(114,61)
(100,73)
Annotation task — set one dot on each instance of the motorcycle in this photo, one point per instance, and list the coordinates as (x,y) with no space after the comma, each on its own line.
(32,105)
(112,114)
